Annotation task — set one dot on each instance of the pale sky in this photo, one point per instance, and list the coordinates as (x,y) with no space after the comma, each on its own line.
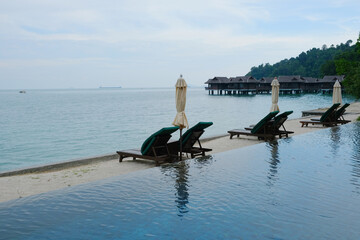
(86,44)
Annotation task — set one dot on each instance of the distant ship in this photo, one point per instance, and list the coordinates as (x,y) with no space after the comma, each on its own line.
(22,91)
(109,87)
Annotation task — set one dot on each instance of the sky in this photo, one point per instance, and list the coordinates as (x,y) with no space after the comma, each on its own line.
(149,43)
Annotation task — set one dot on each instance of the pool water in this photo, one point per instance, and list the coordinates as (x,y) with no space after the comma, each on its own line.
(303,187)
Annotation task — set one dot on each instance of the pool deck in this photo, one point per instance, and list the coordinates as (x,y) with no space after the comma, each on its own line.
(40,179)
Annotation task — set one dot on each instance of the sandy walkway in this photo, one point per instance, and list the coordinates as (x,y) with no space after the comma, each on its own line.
(29,184)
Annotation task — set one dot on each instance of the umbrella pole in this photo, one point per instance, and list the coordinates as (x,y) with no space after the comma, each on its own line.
(180,144)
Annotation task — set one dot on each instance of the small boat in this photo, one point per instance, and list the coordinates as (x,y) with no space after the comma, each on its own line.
(22,91)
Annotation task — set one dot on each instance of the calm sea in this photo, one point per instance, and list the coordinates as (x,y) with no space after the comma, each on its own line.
(45,126)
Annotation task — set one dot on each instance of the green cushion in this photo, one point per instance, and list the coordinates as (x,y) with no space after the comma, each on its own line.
(341,111)
(280,116)
(198,127)
(150,140)
(261,123)
(329,111)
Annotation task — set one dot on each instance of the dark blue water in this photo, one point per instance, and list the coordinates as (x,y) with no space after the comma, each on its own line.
(303,187)
(46,126)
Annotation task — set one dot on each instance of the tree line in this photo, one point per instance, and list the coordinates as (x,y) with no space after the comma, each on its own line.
(343,59)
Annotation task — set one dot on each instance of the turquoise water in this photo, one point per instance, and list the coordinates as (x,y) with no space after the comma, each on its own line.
(303,187)
(45,126)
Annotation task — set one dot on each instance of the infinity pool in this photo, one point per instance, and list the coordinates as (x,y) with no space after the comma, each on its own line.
(303,187)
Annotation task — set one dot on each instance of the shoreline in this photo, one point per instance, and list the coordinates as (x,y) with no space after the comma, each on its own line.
(44,178)
(56,166)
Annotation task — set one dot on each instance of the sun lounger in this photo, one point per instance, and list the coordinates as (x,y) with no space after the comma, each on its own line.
(189,138)
(279,121)
(276,123)
(262,129)
(154,148)
(338,115)
(327,119)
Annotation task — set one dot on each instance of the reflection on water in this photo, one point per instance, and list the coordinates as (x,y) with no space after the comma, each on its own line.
(335,136)
(356,158)
(179,173)
(204,162)
(182,187)
(273,146)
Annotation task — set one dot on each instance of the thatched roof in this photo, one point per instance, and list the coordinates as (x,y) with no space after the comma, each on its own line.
(333,78)
(217,80)
(266,80)
(290,79)
(243,79)
(311,79)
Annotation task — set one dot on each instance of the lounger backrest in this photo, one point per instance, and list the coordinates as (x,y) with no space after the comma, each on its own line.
(192,139)
(164,133)
(190,133)
(263,121)
(341,111)
(327,115)
(281,118)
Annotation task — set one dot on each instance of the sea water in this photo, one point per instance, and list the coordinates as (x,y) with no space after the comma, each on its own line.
(46,126)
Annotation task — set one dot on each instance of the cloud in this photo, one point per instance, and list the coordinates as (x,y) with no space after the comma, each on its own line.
(220,36)
(14,63)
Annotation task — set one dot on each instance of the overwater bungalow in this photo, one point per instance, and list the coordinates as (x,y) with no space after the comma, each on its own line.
(264,85)
(218,84)
(291,84)
(288,84)
(311,85)
(242,85)
(328,82)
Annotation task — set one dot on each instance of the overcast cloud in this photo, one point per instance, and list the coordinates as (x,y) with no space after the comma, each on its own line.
(87,44)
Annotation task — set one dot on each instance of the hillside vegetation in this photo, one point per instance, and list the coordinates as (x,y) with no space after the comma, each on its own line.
(343,59)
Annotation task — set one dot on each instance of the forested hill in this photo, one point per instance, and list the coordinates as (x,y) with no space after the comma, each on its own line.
(309,63)
(343,59)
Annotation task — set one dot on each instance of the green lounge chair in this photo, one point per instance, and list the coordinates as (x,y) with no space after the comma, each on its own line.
(327,118)
(154,147)
(262,129)
(338,115)
(189,138)
(279,121)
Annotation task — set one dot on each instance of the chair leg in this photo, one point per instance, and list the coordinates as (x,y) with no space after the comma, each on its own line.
(199,144)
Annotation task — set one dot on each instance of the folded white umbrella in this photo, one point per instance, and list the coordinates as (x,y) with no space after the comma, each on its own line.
(337,98)
(275,88)
(180,98)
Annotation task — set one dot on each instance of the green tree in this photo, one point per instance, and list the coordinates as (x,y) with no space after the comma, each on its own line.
(340,60)
(328,68)
(349,64)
